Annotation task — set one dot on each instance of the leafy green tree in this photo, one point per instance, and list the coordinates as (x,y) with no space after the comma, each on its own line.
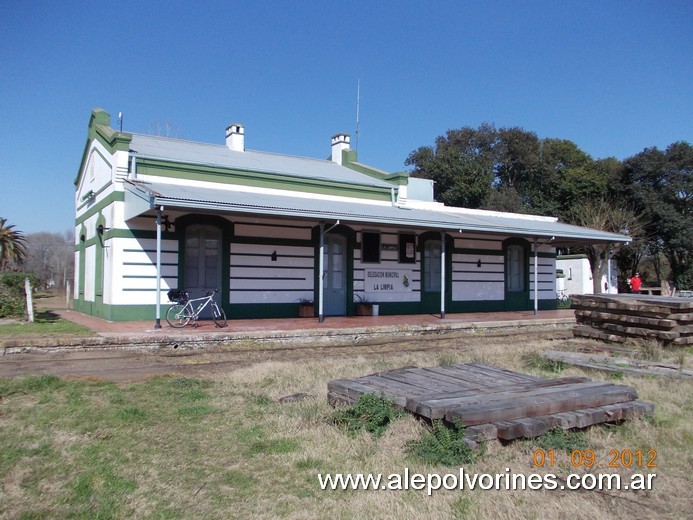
(518,158)
(461,163)
(659,185)
(12,245)
(508,169)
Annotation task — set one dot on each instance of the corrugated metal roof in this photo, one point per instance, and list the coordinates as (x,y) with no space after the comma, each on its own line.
(189,152)
(230,201)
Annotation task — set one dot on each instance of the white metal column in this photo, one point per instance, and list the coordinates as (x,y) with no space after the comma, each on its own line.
(608,268)
(321,273)
(536,275)
(321,283)
(442,276)
(159,210)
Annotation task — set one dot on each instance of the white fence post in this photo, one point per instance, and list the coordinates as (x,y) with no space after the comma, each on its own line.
(29,301)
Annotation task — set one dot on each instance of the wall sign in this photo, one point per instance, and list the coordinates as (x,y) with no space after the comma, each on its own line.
(388,280)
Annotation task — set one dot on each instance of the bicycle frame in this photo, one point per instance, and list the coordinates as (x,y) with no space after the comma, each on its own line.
(185,311)
(195,313)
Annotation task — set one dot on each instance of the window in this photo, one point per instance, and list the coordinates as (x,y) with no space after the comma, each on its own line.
(370,247)
(407,248)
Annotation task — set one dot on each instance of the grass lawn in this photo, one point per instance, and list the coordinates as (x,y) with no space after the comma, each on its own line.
(224,447)
(45,323)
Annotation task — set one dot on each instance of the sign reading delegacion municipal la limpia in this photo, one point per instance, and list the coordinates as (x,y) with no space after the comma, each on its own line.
(388,280)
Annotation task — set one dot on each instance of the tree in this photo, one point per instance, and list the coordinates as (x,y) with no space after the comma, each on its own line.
(509,169)
(12,245)
(50,257)
(461,164)
(659,185)
(604,215)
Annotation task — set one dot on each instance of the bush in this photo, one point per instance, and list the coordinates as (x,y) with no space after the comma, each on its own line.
(11,306)
(443,445)
(12,283)
(12,297)
(371,413)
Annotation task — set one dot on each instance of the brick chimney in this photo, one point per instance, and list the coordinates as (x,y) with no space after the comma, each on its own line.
(339,142)
(235,137)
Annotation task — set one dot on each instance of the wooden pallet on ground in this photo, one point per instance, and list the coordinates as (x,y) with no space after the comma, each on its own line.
(494,403)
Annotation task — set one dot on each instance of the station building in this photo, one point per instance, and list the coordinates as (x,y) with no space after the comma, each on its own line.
(272,231)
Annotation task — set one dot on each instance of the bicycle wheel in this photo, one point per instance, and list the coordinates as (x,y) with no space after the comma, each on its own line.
(178,316)
(218,315)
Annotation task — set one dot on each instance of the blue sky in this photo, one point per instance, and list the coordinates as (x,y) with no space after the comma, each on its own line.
(614,77)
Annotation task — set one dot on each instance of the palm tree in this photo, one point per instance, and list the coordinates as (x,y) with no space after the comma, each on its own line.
(12,245)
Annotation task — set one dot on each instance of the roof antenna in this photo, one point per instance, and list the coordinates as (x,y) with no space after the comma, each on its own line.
(358,104)
(120,121)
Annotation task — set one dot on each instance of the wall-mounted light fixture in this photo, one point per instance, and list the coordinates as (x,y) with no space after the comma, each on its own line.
(90,195)
(167,223)
(274,256)
(478,262)
(100,229)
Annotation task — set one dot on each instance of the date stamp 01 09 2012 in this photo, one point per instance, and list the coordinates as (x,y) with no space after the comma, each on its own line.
(639,459)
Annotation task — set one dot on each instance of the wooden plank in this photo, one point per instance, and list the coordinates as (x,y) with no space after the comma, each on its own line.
(434,406)
(427,381)
(482,432)
(620,364)
(502,388)
(589,332)
(537,426)
(420,384)
(500,374)
(628,318)
(546,402)
(470,377)
(527,427)
(639,331)
(393,384)
(460,382)
(349,391)
(436,409)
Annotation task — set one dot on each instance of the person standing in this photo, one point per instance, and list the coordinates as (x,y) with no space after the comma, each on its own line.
(636,283)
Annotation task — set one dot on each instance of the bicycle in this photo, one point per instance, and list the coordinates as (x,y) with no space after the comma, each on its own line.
(185,310)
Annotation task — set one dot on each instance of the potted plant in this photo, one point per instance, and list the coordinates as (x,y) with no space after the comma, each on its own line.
(363,306)
(306,309)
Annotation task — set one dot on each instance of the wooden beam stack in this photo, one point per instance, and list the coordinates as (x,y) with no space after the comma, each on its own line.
(615,317)
(493,403)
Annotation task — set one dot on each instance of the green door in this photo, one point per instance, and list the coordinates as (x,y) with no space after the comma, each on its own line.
(203,260)
(430,276)
(516,278)
(334,277)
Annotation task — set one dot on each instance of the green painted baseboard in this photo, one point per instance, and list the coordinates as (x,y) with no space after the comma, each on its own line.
(285,310)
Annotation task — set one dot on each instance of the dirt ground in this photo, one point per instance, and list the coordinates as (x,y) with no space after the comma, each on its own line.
(126,365)
(129,365)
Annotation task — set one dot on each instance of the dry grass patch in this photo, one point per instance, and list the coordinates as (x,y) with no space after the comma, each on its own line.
(225,447)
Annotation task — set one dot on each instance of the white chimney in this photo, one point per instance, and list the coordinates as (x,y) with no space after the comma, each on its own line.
(235,137)
(339,142)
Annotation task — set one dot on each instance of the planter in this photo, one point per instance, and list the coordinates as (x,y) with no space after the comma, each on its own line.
(364,309)
(306,310)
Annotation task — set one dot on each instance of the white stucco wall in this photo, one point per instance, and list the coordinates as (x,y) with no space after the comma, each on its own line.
(578,275)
